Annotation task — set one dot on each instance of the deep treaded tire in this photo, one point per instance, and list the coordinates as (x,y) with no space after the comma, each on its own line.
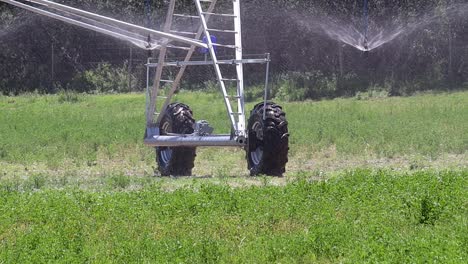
(267,151)
(176,161)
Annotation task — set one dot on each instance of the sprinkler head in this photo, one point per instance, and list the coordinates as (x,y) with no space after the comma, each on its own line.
(366,46)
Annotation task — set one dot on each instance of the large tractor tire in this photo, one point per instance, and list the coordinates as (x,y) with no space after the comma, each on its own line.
(267,149)
(176,161)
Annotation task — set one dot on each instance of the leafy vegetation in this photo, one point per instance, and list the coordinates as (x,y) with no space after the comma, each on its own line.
(77,185)
(357,216)
(104,79)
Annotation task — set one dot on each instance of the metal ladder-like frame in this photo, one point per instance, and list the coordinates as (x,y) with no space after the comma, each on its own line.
(237,116)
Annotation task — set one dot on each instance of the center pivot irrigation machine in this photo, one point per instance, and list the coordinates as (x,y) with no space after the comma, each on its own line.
(170,126)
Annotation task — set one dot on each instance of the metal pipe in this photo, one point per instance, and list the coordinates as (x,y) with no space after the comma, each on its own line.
(193,141)
(113,28)
(98,17)
(57,6)
(76,23)
(201,63)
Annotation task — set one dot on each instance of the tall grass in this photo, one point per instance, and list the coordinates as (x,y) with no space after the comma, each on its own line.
(426,124)
(54,128)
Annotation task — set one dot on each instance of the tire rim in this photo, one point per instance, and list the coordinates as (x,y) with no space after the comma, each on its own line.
(256,155)
(165,153)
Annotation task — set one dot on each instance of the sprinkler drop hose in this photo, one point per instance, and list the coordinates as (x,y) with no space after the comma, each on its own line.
(366,24)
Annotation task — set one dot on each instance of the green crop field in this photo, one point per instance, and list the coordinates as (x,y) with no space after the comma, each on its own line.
(368,180)
(100,133)
(355,217)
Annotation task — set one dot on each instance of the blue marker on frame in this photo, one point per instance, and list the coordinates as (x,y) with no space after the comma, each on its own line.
(213,40)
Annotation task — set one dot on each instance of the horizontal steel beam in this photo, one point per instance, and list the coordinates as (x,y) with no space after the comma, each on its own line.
(200,63)
(193,141)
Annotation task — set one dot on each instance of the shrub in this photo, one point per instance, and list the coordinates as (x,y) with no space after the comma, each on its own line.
(296,86)
(350,84)
(372,93)
(211,86)
(65,96)
(104,79)
(255,93)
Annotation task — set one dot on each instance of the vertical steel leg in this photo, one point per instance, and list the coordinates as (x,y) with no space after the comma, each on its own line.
(148,95)
(266,84)
(239,69)
(159,69)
